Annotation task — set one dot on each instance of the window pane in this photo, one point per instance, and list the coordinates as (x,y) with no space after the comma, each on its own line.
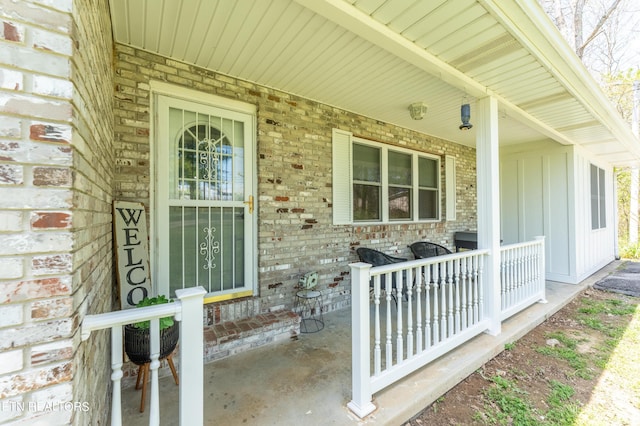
(366,163)
(428,172)
(366,202)
(399,168)
(399,203)
(428,204)
(238,160)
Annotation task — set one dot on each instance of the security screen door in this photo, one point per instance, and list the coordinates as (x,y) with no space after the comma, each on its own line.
(204,199)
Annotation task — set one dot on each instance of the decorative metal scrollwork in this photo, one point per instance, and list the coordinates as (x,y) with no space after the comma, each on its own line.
(209,158)
(209,247)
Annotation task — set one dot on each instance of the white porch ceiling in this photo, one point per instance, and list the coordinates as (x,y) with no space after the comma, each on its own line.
(375,57)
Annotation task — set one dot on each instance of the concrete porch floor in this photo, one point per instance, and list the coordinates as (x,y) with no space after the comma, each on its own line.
(308,380)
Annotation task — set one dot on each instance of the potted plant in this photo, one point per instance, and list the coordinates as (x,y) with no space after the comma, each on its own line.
(136,336)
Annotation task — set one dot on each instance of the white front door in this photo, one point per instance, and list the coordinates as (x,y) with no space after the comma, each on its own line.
(204,199)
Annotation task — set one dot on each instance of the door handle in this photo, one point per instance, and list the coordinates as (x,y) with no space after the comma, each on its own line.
(250,202)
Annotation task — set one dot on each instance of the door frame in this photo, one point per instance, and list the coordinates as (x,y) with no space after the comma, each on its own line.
(161,88)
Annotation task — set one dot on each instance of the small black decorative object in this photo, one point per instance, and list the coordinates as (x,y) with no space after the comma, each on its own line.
(465,116)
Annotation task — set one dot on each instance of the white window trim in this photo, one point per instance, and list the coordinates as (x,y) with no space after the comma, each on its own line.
(343,188)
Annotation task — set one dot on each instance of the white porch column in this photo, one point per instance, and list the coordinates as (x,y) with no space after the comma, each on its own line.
(488,187)
(191,356)
(361,403)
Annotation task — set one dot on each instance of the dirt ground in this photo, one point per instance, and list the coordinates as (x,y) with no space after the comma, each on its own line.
(528,369)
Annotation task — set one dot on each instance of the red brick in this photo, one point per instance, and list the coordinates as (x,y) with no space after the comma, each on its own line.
(51,352)
(48,309)
(11,32)
(51,264)
(48,133)
(50,220)
(52,176)
(35,379)
(34,289)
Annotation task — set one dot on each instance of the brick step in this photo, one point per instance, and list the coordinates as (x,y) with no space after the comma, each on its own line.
(232,337)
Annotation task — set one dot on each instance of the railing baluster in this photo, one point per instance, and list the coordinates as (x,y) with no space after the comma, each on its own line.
(477,305)
(377,352)
(480,283)
(469,278)
(427,307)
(154,409)
(388,346)
(116,375)
(503,278)
(443,302)
(464,293)
(409,313)
(456,275)
(436,299)
(419,277)
(399,337)
(450,323)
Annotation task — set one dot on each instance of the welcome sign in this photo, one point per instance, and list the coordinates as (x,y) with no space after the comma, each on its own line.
(132,252)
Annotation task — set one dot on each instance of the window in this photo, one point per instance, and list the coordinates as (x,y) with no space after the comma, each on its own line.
(598,205)
(374,182)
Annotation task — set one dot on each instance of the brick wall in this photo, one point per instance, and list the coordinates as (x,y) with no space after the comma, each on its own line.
(56,175)
(295,231)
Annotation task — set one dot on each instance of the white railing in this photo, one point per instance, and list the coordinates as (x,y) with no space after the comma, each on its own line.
(522,276)
(405,315)
(188,310)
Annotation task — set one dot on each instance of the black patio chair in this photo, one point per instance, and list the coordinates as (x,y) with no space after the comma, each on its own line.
(424,249)
(378,258)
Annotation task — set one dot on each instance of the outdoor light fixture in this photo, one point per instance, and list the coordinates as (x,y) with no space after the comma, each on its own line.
(418,110)
(465,116)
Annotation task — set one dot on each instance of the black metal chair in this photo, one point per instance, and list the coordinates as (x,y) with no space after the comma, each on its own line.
(424,249)
(378,258)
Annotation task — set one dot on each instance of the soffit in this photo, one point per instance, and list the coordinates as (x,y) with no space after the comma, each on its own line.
(375,57)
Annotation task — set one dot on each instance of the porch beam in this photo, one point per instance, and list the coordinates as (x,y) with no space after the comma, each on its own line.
(488,188)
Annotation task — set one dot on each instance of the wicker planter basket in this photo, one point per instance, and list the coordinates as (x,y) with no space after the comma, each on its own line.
(136,343)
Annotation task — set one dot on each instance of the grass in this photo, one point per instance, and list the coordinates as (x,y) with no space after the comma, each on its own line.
(507,404)
(567,350)
(615,359)
(561,411)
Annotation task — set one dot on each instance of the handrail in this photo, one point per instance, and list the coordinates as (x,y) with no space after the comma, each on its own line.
(128,316)
(188,311)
